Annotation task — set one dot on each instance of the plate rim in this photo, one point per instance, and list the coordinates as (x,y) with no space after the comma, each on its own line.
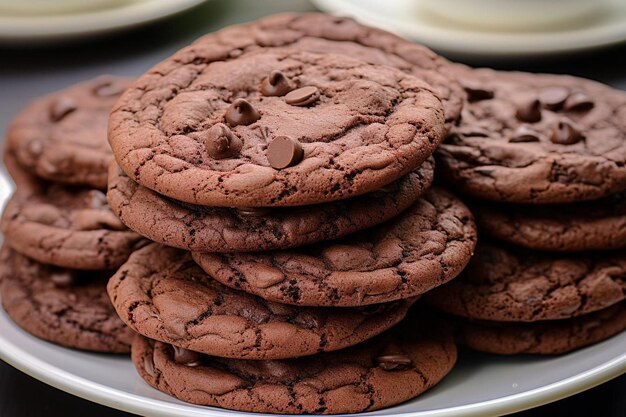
(514,45)
(66,381)
(48,29)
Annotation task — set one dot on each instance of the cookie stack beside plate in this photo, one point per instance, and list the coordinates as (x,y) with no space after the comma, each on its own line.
(287,171)
(61,241)
(544,157)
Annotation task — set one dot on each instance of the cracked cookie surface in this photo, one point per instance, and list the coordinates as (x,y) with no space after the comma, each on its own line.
(161,293)
(220,229)
(199,127)
(379,373)
(545,338)
(537,138)
(63,225)
(593,225)
(425,246)
(509,284)
(63,136)
(65,307)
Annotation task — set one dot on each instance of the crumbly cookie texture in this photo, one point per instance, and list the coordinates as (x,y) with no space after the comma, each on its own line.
(544,338)
(382,372)
(201,128)
(573,227)
(66,226)
(66,307)
(62,137)
(220,229)
(509,284)
(536,138)
(426,246)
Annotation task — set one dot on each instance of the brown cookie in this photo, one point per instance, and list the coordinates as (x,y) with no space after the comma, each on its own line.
(323,33)
(162,294)
(536,138)
(66,307)
(63,136)
(62,225)
(220,229)
(427,245)
(510,284)
(224,138)
(545,338)
(593,225)
(385,371)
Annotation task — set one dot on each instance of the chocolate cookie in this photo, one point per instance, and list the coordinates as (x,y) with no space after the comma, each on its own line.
(63,136)
(161,293)
(66,307)
(535,138)
(509,284)
(323,33)
(387,370)
(427,245)
(67,226)
(273,127)
(219,229)
(594,225)
(546,338)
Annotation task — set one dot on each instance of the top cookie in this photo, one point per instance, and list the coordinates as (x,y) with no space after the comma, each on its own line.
(63,136)
(273,127)
(531,138)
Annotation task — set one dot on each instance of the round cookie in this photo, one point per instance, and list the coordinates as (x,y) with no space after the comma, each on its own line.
(66,226)
(323,33)
(382,372)
(594,225)
(220,229)
(62,137)
(510,284)
(66,307)
(545,338)
(226,138)
(424,247)
(537,138)
(161,293)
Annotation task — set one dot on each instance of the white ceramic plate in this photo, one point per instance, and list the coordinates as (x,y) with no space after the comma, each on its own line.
(16,29)
(480,385)
(406,18)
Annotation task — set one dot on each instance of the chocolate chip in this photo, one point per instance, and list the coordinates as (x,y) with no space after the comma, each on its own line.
(477,93)
(578,101)
(61,107)
(221,142)
(393,362)
(284,152)
(566,134)
(253,211)
(187,357)
(529,111)
(109,89)
(524,133)
(553,98)
(62,279)
(241,112)
(303,96)
(276,84)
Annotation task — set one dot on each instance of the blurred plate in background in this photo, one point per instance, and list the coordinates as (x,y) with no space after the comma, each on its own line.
(17,28)
(413,21)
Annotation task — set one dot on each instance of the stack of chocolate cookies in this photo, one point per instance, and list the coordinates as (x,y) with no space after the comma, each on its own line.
(544,158)
(61,241)
(284,169)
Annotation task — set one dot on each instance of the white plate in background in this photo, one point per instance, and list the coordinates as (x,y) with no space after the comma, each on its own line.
(480,385)
(33,28)
(408,19)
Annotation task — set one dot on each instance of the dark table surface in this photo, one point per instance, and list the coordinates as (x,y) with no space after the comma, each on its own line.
(27,73)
